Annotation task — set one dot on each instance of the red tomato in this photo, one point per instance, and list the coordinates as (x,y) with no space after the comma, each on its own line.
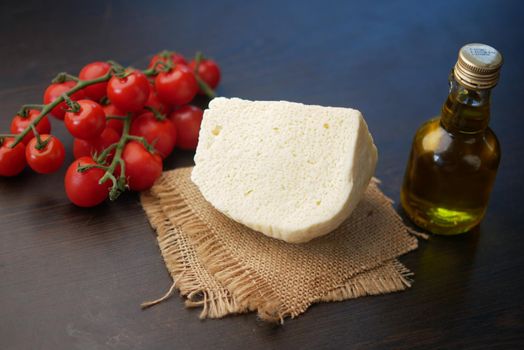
(116,124)
(176,57)
(176,87)
(47,160)
(129,94)
(187,120)
(208,71)
(12,160)
(160,133)
(92,71)
(82,148)
(82,188)
(19,124)
(154,101)
(88,123)
(142,168)
(56,90)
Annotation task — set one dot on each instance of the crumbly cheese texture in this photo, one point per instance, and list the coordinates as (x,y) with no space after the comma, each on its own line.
(288,170)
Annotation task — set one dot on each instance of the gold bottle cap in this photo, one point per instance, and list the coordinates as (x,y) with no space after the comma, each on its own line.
(478,66)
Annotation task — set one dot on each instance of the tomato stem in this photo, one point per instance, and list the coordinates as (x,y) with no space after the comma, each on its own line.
(3,136)
(40,145)
(119,185)
(101,159)
(122,166)
(164,67)
(73,105)
(104,101)
(117,69)
(150,148)
(204,87)
(118,117)
(150,71)
(158,116)
(24,110)
(165,54)
(63,77)
(82,168)
(201,83)
(198,59)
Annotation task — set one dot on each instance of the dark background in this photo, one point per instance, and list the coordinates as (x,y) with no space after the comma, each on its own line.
(74,278)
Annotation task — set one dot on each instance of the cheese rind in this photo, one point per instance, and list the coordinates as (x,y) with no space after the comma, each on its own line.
(291,171)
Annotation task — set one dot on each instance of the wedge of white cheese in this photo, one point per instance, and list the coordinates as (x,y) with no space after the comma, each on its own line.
(289,170)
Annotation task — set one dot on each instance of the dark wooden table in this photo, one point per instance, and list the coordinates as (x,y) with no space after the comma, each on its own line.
(74,278)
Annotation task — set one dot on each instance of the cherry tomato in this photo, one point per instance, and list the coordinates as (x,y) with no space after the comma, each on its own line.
(176,57)
(142,168)
(88,123)
(82,148)
(19,124)
(160,133)
(92,71)
(208,71)
(187,120)
(177,86)
(82,188)
(56,90)
(12,160)
(129,94)
(47,160)
(116,124)
(154,101)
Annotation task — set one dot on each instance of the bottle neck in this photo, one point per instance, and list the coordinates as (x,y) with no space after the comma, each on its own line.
(466,110)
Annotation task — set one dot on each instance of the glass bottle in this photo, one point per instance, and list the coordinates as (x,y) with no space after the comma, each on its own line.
(455,156)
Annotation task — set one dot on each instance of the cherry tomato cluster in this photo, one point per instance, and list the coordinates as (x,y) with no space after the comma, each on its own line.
(124,122)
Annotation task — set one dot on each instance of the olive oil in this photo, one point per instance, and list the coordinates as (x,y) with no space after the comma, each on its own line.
(455,156)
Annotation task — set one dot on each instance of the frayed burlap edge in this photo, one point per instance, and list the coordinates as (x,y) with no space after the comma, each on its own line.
(396,279)
(215,302)
(246,291)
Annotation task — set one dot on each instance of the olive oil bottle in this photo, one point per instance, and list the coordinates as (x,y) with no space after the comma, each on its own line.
(455,156)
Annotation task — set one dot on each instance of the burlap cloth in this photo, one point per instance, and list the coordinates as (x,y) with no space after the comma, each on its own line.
(226,268)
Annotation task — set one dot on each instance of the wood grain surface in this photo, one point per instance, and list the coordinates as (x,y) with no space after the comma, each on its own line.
(74,278)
